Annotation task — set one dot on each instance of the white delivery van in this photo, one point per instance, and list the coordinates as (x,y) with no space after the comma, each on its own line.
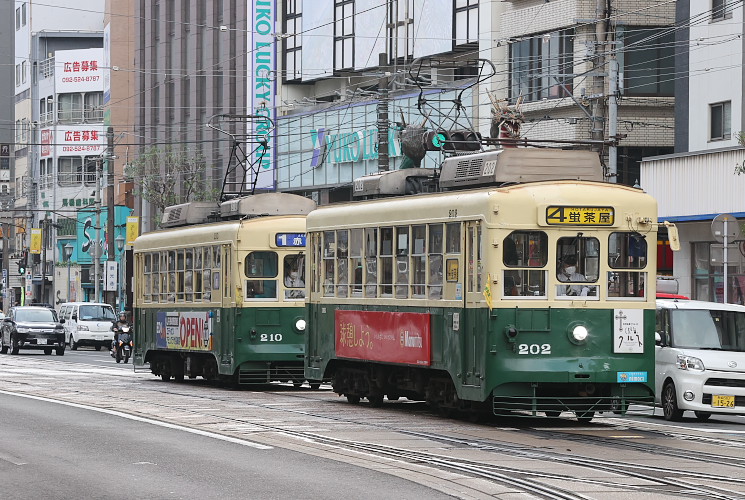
(699,358)
(88,323)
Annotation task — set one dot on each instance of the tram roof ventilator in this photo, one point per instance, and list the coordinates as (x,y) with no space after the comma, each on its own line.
(258,205)
(488,168)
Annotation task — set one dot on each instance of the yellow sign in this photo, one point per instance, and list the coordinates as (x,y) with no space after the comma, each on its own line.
(35,240)
(580,216)
(133,229)
(487,291)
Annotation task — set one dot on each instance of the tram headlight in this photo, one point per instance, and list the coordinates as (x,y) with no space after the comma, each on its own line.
(578,333)
(300,325)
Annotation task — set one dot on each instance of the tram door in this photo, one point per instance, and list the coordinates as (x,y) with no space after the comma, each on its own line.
(472,330)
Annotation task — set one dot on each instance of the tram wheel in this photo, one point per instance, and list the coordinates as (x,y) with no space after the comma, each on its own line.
(670,408)
(314,385)
(376,400)
(552,413)
(702,416)
(353,399)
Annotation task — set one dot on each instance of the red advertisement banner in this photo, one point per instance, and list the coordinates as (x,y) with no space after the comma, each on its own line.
(384,336)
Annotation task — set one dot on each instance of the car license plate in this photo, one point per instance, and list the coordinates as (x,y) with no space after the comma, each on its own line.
(722,401)
(44,341)
(99,337)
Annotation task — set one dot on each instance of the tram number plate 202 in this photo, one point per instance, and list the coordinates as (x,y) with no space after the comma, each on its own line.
(527,349)
(722,401)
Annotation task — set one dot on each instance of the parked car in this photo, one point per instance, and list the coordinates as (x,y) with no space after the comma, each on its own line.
(88,323)
(32,327)
(699,358)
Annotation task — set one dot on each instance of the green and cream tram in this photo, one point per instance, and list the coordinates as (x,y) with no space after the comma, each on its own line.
(463,299)
(224,300)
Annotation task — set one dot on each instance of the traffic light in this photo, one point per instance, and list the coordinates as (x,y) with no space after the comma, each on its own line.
(22,264)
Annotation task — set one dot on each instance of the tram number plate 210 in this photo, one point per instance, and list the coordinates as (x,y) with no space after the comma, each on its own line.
(528,349)
(722,401)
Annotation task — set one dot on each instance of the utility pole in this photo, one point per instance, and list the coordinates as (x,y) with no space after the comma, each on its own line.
(598,107)
(6,267)
(96,245)
(44,229)
(383,122)
(110,294)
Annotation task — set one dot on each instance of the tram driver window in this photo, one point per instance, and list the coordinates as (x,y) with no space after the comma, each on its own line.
(627,250)
(294,276)
(525,255)
(577,267)
(260,268)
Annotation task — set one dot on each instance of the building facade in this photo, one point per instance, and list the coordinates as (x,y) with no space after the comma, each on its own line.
(704,177)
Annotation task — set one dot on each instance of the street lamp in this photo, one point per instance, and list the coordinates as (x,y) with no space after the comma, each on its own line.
(120,241)
(67,250)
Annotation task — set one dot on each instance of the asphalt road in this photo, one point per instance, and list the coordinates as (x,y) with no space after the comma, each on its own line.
(55,451)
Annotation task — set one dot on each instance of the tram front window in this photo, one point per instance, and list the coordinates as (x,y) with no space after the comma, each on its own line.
(294,276)
(261,265)
(627,250)
(578,266)
(525,255)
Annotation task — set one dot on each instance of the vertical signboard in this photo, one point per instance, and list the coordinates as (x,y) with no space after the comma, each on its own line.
(262,88)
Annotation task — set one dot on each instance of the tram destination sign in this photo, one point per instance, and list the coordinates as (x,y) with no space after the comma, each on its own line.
(561,215)
(290,239)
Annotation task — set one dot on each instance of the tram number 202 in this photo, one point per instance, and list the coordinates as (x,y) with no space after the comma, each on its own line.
(534,349)
(271,337)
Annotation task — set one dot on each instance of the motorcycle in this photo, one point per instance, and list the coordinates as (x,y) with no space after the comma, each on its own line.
(124,345)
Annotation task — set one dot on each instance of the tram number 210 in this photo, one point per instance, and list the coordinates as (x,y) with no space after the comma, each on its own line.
(534,349)
(271,337)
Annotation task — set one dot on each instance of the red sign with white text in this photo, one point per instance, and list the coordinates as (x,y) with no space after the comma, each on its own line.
(384,336)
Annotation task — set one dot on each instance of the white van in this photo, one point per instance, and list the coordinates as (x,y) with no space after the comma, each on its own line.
(88,323)
(700,358)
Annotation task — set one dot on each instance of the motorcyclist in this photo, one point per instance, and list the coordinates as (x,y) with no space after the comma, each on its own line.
(117,329)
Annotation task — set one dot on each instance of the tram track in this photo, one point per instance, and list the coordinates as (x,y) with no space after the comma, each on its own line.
(180,399)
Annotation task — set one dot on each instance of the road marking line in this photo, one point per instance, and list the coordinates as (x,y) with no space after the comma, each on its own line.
(168,425)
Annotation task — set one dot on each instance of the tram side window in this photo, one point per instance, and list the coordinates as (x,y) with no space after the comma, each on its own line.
(525,255)
(189,275)
(627,250)
(386,261)
(419,260)
(197,284)
(355,261)
(402,262)
(261,269)
(172,276)
(371,262)
(207,277)
(577,266)
(329,261)
(294,276)
(163,277)
(434,283)
(148,272)
(342,254)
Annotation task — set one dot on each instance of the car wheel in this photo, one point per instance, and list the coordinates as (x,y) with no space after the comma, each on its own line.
(98,347)
(48,351)
(3,347)
(670,403)
(73,344)
(14,347)
(702,416)
(60,351)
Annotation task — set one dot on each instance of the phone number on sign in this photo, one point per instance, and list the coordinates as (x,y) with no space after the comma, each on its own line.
(80,148)
(76,79)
